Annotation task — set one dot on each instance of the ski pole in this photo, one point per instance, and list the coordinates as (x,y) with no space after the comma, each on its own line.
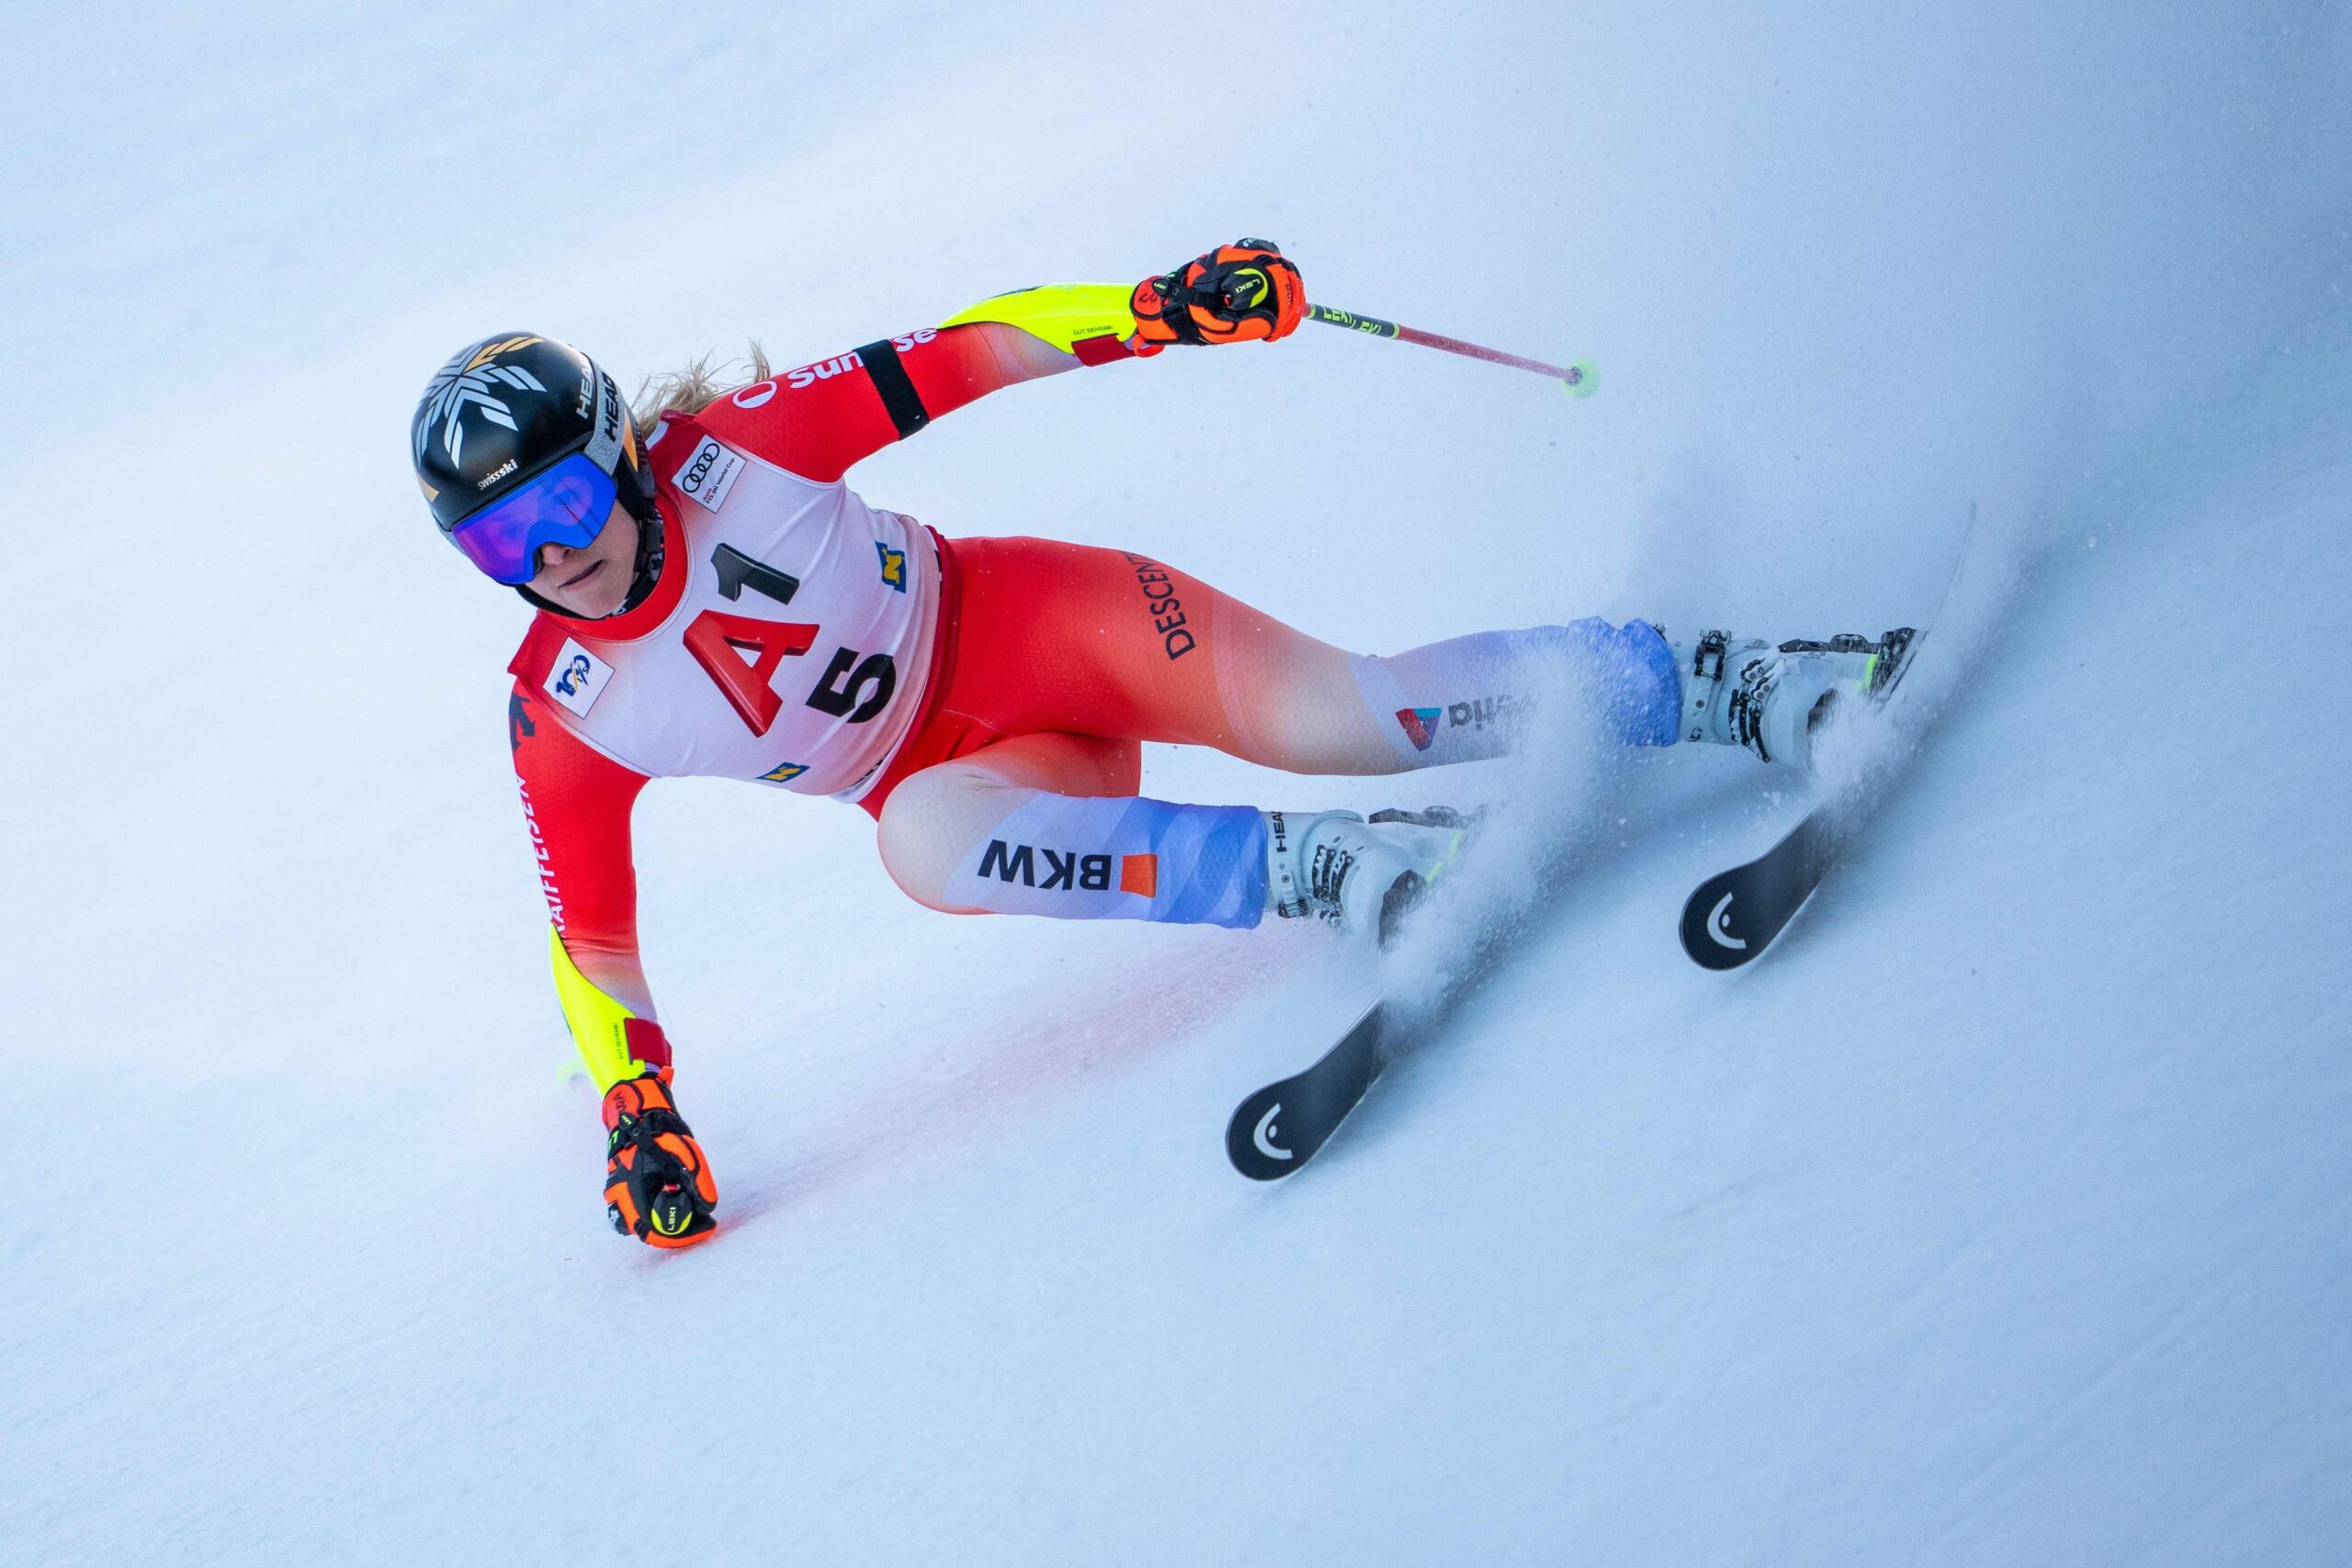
(1579,376)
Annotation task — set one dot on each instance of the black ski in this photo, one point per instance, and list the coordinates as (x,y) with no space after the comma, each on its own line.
(1735,914)
(1732,916)
(1278,1129)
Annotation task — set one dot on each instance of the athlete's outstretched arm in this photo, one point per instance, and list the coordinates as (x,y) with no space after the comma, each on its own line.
(816,420)
(576,802)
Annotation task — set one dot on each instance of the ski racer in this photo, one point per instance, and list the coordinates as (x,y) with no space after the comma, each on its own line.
(712,599)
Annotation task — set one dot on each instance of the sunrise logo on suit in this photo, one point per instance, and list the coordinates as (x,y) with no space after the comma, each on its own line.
(894,565)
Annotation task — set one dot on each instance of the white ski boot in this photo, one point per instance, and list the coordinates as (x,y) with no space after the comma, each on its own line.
(1360,876)
(1770,700)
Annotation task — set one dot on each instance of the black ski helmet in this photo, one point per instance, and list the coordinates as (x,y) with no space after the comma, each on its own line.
(506,409)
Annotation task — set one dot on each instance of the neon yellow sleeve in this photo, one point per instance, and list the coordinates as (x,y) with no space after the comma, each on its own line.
(1059,313)
(599,1024)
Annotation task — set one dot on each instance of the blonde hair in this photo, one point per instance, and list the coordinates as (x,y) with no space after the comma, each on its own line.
(693,388)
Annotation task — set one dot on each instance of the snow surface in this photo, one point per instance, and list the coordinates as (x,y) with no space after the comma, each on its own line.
(2004,1216)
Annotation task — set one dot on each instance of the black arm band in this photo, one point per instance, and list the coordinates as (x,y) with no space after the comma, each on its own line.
(890,380)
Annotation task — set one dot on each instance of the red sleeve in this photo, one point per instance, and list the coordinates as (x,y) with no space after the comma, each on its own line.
(577,802)
(818,419)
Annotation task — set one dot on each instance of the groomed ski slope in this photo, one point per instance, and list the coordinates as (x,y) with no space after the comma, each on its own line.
(1999,1217)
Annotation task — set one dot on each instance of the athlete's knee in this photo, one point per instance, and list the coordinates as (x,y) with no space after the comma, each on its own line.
(930,821)
(900,839)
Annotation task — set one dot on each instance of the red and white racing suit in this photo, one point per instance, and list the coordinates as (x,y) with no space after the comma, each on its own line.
(985,699)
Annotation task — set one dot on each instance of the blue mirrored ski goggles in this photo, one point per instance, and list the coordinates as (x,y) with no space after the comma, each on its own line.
(566,505)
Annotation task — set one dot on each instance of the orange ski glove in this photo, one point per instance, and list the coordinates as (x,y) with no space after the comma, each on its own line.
(1236,293)
(658,1187)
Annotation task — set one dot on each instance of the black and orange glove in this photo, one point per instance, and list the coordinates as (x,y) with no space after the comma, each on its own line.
(658,1187)
(1236,293)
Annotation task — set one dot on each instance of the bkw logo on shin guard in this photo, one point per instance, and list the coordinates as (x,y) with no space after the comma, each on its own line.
(1068,873)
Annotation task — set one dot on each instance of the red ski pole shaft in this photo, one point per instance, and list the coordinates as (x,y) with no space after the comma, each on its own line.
(1579,376)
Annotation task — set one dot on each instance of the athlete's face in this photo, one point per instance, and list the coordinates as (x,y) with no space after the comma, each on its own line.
(591,582)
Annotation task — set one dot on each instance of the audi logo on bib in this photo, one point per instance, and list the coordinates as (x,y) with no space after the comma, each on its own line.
(710,473)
